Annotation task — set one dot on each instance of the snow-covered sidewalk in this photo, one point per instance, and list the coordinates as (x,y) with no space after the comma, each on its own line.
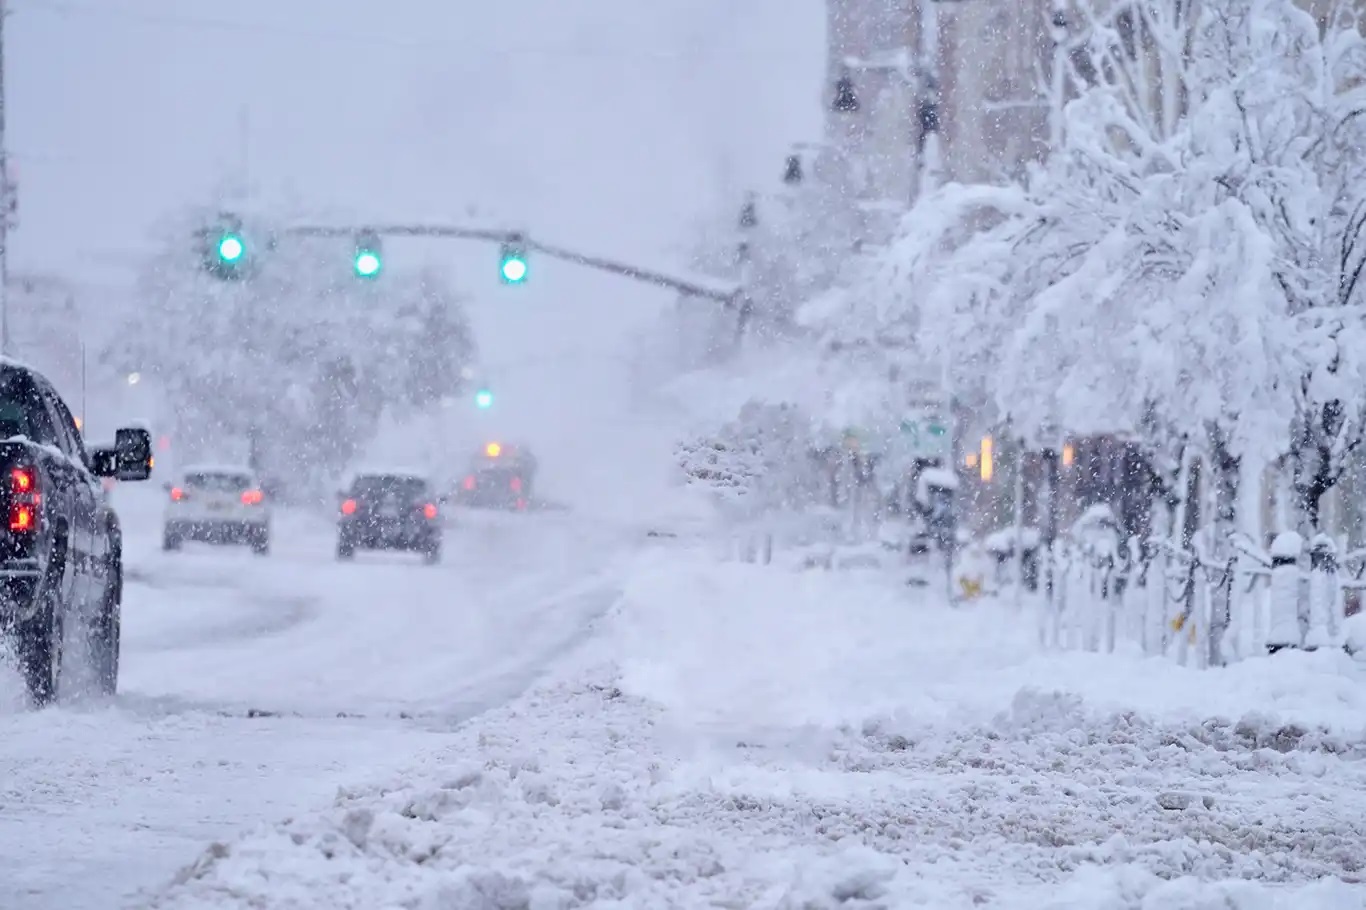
(741,736)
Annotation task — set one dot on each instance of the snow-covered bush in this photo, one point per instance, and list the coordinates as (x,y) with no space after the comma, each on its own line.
(757,464)
(295,363)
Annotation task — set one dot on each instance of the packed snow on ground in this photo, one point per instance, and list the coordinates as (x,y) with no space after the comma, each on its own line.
(751,736)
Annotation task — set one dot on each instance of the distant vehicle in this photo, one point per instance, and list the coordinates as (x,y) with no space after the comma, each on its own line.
(217,505)
(389,511)
(498,477)
(61,550)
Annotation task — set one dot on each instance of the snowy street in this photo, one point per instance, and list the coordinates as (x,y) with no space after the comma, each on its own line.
(252,687)
(745,736)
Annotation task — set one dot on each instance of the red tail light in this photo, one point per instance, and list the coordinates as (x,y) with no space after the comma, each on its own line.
(516,484)
(253,498)
(469,482)
(21,517)
(349,507)
(177,494)
(429,510)
(24,498)
(23,480)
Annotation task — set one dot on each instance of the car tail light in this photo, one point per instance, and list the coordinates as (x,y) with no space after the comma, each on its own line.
(349,507)
(516,484)
(24,498)
(521,505)
(253,498)
(429,510)
(20,517)
(469,482)
(177,494)
(23,480)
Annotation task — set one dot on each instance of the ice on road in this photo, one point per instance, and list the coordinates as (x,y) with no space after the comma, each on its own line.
(253,687)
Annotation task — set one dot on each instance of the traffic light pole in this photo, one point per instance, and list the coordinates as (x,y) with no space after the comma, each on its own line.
(4,199)
(723,293)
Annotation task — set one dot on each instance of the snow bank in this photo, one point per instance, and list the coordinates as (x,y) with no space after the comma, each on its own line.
(736,644)
(748,737)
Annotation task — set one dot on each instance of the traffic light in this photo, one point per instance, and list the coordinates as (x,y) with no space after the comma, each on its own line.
(224,247)
(230,248)
(483,399)
(369,258)
(513,266)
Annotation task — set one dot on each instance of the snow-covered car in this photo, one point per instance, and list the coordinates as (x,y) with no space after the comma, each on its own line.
(217,504)
(389,511)
(499,476)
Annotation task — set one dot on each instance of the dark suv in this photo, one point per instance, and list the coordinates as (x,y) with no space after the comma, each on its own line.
(389,512)
(61,552)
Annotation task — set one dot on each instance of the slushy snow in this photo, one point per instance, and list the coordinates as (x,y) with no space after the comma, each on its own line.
(749,736)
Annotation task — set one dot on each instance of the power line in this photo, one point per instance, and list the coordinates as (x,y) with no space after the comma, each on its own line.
(193,23)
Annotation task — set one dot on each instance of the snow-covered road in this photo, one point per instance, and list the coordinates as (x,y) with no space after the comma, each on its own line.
(750,736)
(252,688)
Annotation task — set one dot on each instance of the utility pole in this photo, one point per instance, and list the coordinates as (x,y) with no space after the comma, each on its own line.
(5,191)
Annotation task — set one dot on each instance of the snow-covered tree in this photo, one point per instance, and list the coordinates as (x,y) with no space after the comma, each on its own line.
(295,362)
(1192,275)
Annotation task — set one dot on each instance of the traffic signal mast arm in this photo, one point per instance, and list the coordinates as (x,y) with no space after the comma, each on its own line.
(720,291)
(723,292)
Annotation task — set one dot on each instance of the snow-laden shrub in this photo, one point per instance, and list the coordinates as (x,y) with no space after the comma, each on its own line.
(758,463)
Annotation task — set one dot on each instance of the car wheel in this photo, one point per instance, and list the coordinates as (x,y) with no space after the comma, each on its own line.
(39,642)
(346,550)
(431,554)
(260,542)
(105,634)
(170,539)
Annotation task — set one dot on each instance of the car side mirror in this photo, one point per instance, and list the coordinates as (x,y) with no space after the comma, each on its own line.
(129,459)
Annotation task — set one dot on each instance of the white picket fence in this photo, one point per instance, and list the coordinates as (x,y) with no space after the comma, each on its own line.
(1178,603)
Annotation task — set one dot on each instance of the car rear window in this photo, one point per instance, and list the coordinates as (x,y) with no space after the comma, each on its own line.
(22,412)
(398,487)
(218,483)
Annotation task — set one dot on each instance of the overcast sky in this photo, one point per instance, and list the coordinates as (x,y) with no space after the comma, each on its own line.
(607,125)
(604,122)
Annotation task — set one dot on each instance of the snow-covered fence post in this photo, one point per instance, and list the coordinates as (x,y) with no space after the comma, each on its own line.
(1103,624)
(1054,602)
(1322,625)
(1221,611)
(1283,626)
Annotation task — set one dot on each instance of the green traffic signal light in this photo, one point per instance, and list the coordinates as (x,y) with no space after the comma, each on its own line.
(514,269)
(483,399)
(230,248)
(367,264)
(368,260)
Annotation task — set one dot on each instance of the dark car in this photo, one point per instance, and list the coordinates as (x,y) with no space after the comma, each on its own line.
(499,477)
(61,549)
(389,512)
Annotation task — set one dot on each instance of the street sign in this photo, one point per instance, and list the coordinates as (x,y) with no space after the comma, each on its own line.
(926,436)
